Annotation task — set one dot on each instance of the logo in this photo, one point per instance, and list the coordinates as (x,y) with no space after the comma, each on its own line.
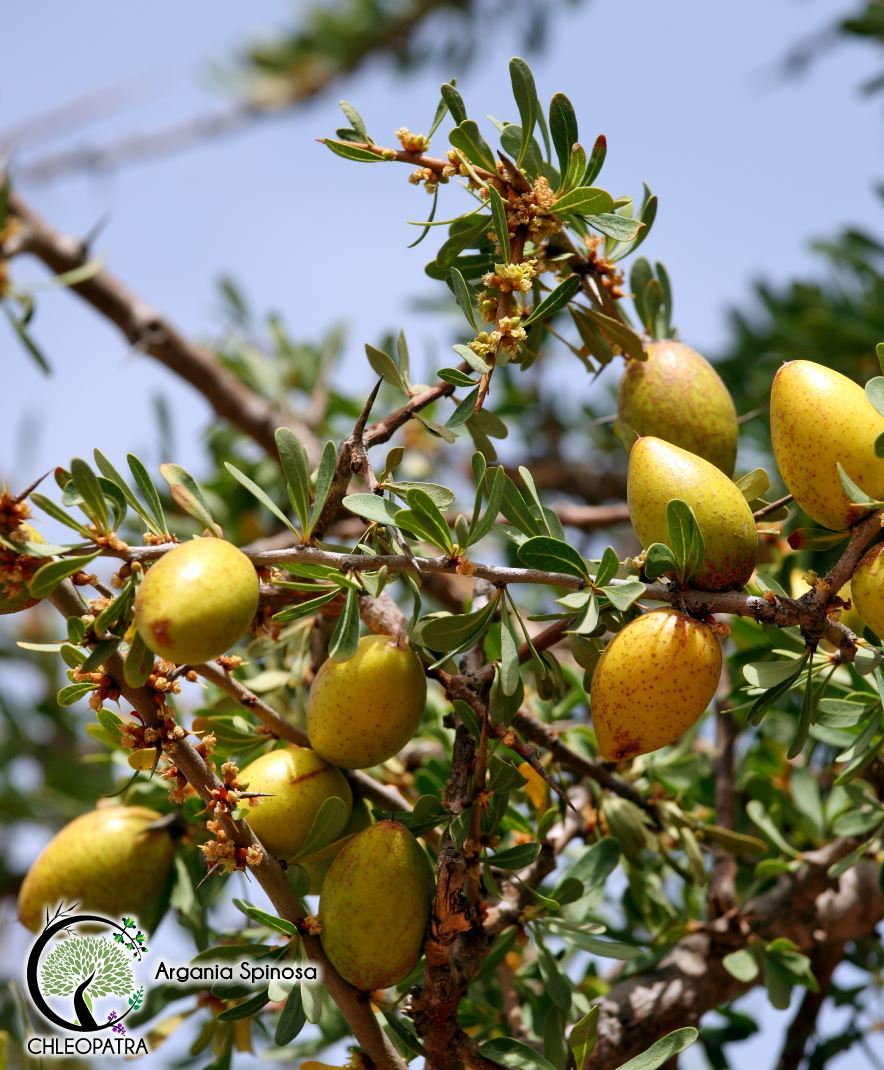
(80,975)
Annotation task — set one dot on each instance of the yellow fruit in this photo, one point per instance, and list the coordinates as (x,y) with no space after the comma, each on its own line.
(660,472)
(653,682)
(678,396)
(298,782)
(363,711)
(375,906)
(197,601)
(16,571)
(320,863)
(867,586)
(536,789)
(819,418)
(108,860)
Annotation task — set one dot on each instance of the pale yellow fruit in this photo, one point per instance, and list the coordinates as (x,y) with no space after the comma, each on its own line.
(867,586)
(660,472)
(363,711)
(108,860)
(653,682)
(678,396)
(319,864)
(297,782)
(819,418)
(197,601)
(375,906)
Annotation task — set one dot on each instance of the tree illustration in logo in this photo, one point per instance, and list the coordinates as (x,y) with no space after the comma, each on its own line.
(87,966)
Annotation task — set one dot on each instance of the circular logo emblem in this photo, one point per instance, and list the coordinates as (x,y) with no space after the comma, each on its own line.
(80,971)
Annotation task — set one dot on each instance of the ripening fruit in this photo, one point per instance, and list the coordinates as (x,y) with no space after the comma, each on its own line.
(363,711)
(678,396)
(867,587)
(375,906)
(320,863)
(109,861)
(653,682)
(659,472)
(197,601)
(17,570)
(298,782)
(819,418)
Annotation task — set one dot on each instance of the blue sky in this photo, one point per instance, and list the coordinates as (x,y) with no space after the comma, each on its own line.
(747,170)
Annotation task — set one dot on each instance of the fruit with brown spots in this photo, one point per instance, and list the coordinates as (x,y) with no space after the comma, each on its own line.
(364,710)
(678,396)
(867,587)
(319,864)
(109,861)
(818,419)
(197,601)
(17,570)
(653,682)
(660,472)
(297,782)
(375,906)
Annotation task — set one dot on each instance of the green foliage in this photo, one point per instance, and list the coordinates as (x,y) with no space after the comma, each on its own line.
(73,959)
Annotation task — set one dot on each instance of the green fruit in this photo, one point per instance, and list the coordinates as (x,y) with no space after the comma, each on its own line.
(819,418)
(653,682)
(363,711)
(660,472)
(108,861)
(867,590)
(375,906)
(197,601)
(297,782)
(320,863)
(678,396)
(17,570)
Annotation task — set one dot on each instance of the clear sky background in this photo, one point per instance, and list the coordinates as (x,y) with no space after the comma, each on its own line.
(747,168)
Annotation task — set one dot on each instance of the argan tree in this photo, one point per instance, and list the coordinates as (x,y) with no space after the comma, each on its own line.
(565,775)
(77,958)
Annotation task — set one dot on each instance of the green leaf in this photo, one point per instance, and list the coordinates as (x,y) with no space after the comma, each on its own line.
(554,301)
(618,333)
(49,576)
(292,1020)
(758,815)
(447,632)
(188,495)
(464,298)
(89,489)
(510,677)
(586,941)
(620,227)
(355,120)
(742,965)
(853,491)
(325,475)
(513,1053)
(345,638)
(306,609)
(564,131)
(466,137)
(555,981)
(596,160)
(623,595)
(456,377)
(875,392)
(473,359)
(258,493)
(383,365)
(685,537)
(296,470)
(442,496)
(425,520)
(659,559)
(110,473)
(454,102)
(583,1037)
(262,917)
(525,92)
(501,226)
(552,555)
(663,1050)
(483,525)
(594,865)
(515,857)
(753,484)
(328,826)
(139,662)
(372,507)
(24,337)
(584,200)
(352,152)
(149,492)
(73,693)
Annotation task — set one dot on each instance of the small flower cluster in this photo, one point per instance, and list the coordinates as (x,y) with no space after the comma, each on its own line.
(119,1027)
(533,211)
(412,142)
(222,850)
(509,332)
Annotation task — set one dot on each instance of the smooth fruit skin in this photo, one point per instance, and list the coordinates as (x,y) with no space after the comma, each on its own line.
(867,588)
(375,905)
(363,711)
(298,782)
(107,860)
(319,864)
(678,396)
(653,682)
(660,472)
(197,601)
(819,418)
